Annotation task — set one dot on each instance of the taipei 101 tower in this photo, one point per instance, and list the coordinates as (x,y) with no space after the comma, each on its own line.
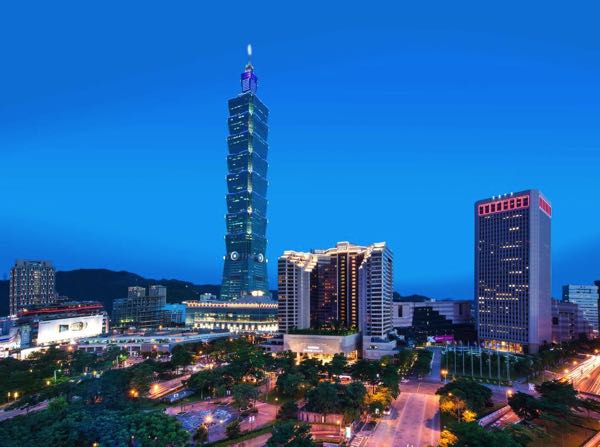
(245,262)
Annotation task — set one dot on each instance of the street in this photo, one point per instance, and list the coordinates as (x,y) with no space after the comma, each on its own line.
(414,422)
(585,376)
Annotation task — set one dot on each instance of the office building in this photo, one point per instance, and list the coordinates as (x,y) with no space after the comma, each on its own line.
(586,297)
(339,290)
(140,310)
(513,271)
(569,323)
(32,283)
(174,314)
(422,319)
(246,315)
(245,262)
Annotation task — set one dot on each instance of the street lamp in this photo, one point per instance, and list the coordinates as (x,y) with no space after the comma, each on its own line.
(445,374)
(509,394)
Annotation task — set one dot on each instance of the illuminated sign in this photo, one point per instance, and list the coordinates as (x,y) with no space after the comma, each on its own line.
(313,348)
(66,329)
(440,339)
(498,206)
(545,207)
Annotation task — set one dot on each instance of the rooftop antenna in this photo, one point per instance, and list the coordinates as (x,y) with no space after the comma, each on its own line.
(249,51)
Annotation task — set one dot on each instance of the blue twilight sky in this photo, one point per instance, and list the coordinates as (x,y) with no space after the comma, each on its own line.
(388,121)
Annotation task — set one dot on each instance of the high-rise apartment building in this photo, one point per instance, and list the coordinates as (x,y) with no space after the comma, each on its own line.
(513,271)
(245,262)
(586,297)
(324,288)
(32,283)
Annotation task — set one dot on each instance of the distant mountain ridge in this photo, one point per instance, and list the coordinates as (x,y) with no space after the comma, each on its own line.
(105,285)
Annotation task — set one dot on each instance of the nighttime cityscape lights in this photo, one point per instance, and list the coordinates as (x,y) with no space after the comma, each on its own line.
(340,346)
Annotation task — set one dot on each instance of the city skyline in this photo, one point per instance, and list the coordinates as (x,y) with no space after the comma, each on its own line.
(139,139)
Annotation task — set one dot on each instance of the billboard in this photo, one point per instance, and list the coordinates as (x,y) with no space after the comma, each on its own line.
(440,339)
(65,329)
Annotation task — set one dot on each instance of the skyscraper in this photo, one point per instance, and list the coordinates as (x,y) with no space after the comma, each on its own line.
(245,262)
(32,283)
(513,271)
(586,297)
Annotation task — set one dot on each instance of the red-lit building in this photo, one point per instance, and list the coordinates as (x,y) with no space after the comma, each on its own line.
(513,271)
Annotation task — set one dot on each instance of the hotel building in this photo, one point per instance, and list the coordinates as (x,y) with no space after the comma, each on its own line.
(348,286)
(513,271)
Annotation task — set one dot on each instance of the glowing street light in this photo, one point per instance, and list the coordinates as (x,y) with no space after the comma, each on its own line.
(445,374)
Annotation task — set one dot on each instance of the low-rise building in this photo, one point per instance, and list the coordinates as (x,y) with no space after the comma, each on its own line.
(426,318)
(143,342)
(249,314)
(60,323)
(568,322)
(323,346)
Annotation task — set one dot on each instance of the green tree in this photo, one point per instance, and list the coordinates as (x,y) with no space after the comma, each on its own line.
(244,394)
(390,379)
(201,435)
(290,434)
(289,410)
(474,394)
(181,357)
(323,398)
(525,406)
(288,384)
(366,371)
(310,369)
(337,366)
(470,434)
(141,377)
(233,429)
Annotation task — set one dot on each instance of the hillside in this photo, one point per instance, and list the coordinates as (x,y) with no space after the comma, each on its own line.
(106,285)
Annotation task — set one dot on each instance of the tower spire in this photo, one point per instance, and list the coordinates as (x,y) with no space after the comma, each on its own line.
(249,79)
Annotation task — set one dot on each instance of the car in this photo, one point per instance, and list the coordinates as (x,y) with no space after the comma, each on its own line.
(387,410)
(404,381)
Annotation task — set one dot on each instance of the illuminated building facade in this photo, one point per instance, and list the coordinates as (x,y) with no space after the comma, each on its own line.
(248,315)
(321,288)
(245,262)
(586,297)
(32,283)
(513,271)
(140,310)
(348,286)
